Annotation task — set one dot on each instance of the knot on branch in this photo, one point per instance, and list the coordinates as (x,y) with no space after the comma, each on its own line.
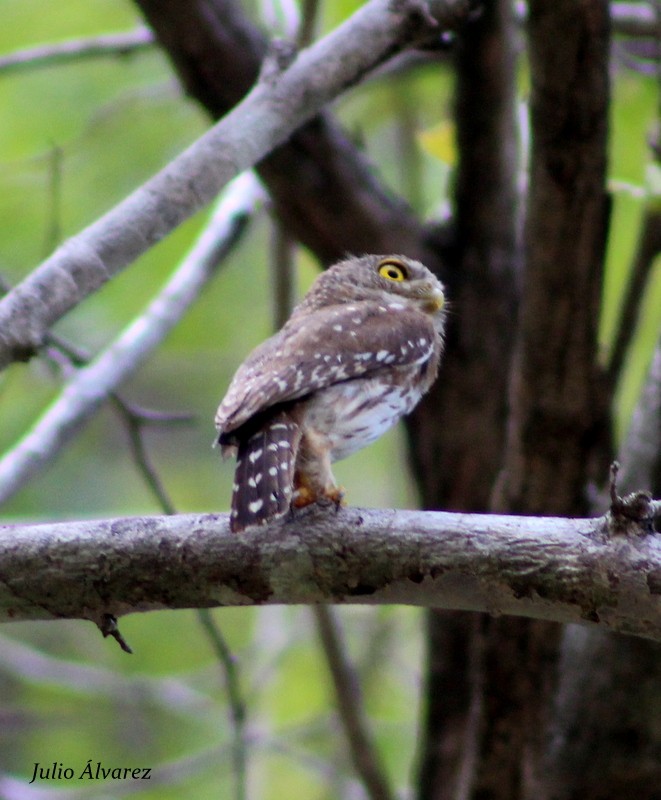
(634,513)
(280,55)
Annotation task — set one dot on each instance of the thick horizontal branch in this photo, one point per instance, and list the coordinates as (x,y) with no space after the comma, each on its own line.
(568,570)
(283,99)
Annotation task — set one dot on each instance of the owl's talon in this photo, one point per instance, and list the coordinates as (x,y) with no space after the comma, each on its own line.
(336,496)
(303,496)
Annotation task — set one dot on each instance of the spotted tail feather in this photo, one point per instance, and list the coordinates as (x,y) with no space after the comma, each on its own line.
(264,474)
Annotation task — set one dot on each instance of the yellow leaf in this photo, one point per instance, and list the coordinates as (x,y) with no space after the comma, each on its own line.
(439,142)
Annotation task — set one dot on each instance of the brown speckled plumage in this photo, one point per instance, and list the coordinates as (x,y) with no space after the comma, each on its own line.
(357,353)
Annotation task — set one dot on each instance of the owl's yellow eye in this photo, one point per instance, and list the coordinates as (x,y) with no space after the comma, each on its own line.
(393,270)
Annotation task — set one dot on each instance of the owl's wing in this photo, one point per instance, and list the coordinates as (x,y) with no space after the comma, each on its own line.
(324,347)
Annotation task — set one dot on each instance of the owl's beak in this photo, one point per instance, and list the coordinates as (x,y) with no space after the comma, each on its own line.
(434,299)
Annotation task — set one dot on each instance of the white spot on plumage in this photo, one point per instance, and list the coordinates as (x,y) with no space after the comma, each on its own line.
(381,355)
(255,455)
(255,506)
(337,328)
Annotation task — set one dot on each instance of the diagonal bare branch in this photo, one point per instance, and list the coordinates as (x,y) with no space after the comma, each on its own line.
(92,385)
(339,205)
(281,101)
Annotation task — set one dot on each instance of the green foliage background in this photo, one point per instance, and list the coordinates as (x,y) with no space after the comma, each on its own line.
(74,140)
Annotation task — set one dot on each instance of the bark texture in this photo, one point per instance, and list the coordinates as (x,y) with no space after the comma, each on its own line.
(559,404)
(581,570)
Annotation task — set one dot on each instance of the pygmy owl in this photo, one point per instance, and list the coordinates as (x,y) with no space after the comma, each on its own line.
(357,353)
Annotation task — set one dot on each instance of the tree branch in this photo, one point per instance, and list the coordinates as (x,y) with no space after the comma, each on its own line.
(339,204)
(640,453)
(92,385)
(111,44)
(281,101)
(351,707)
(649,246)
(569,570)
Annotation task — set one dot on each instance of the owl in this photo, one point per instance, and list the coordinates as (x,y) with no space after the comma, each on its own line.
(357,353)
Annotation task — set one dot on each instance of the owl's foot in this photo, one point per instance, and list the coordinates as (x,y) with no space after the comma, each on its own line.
(305,496)
(334,496)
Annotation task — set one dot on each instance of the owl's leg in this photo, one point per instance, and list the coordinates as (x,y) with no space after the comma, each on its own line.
(313,477)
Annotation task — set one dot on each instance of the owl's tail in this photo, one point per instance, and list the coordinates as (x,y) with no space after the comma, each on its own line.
(263,481)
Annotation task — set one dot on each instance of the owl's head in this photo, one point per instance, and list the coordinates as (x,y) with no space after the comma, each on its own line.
(381,279)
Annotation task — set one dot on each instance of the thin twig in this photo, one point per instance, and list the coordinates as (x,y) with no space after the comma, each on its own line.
(282,255)
(237,706)
(53,233)
(134,426)
(109,627)
(309,15)
(640,454)
(350,707)
(111,44)
(236,701)
(135,420)
(649,246)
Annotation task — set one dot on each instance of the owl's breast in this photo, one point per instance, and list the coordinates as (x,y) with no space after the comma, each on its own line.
(355,413)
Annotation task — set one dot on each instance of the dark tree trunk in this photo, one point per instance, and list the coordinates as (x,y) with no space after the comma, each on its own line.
(457,435)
